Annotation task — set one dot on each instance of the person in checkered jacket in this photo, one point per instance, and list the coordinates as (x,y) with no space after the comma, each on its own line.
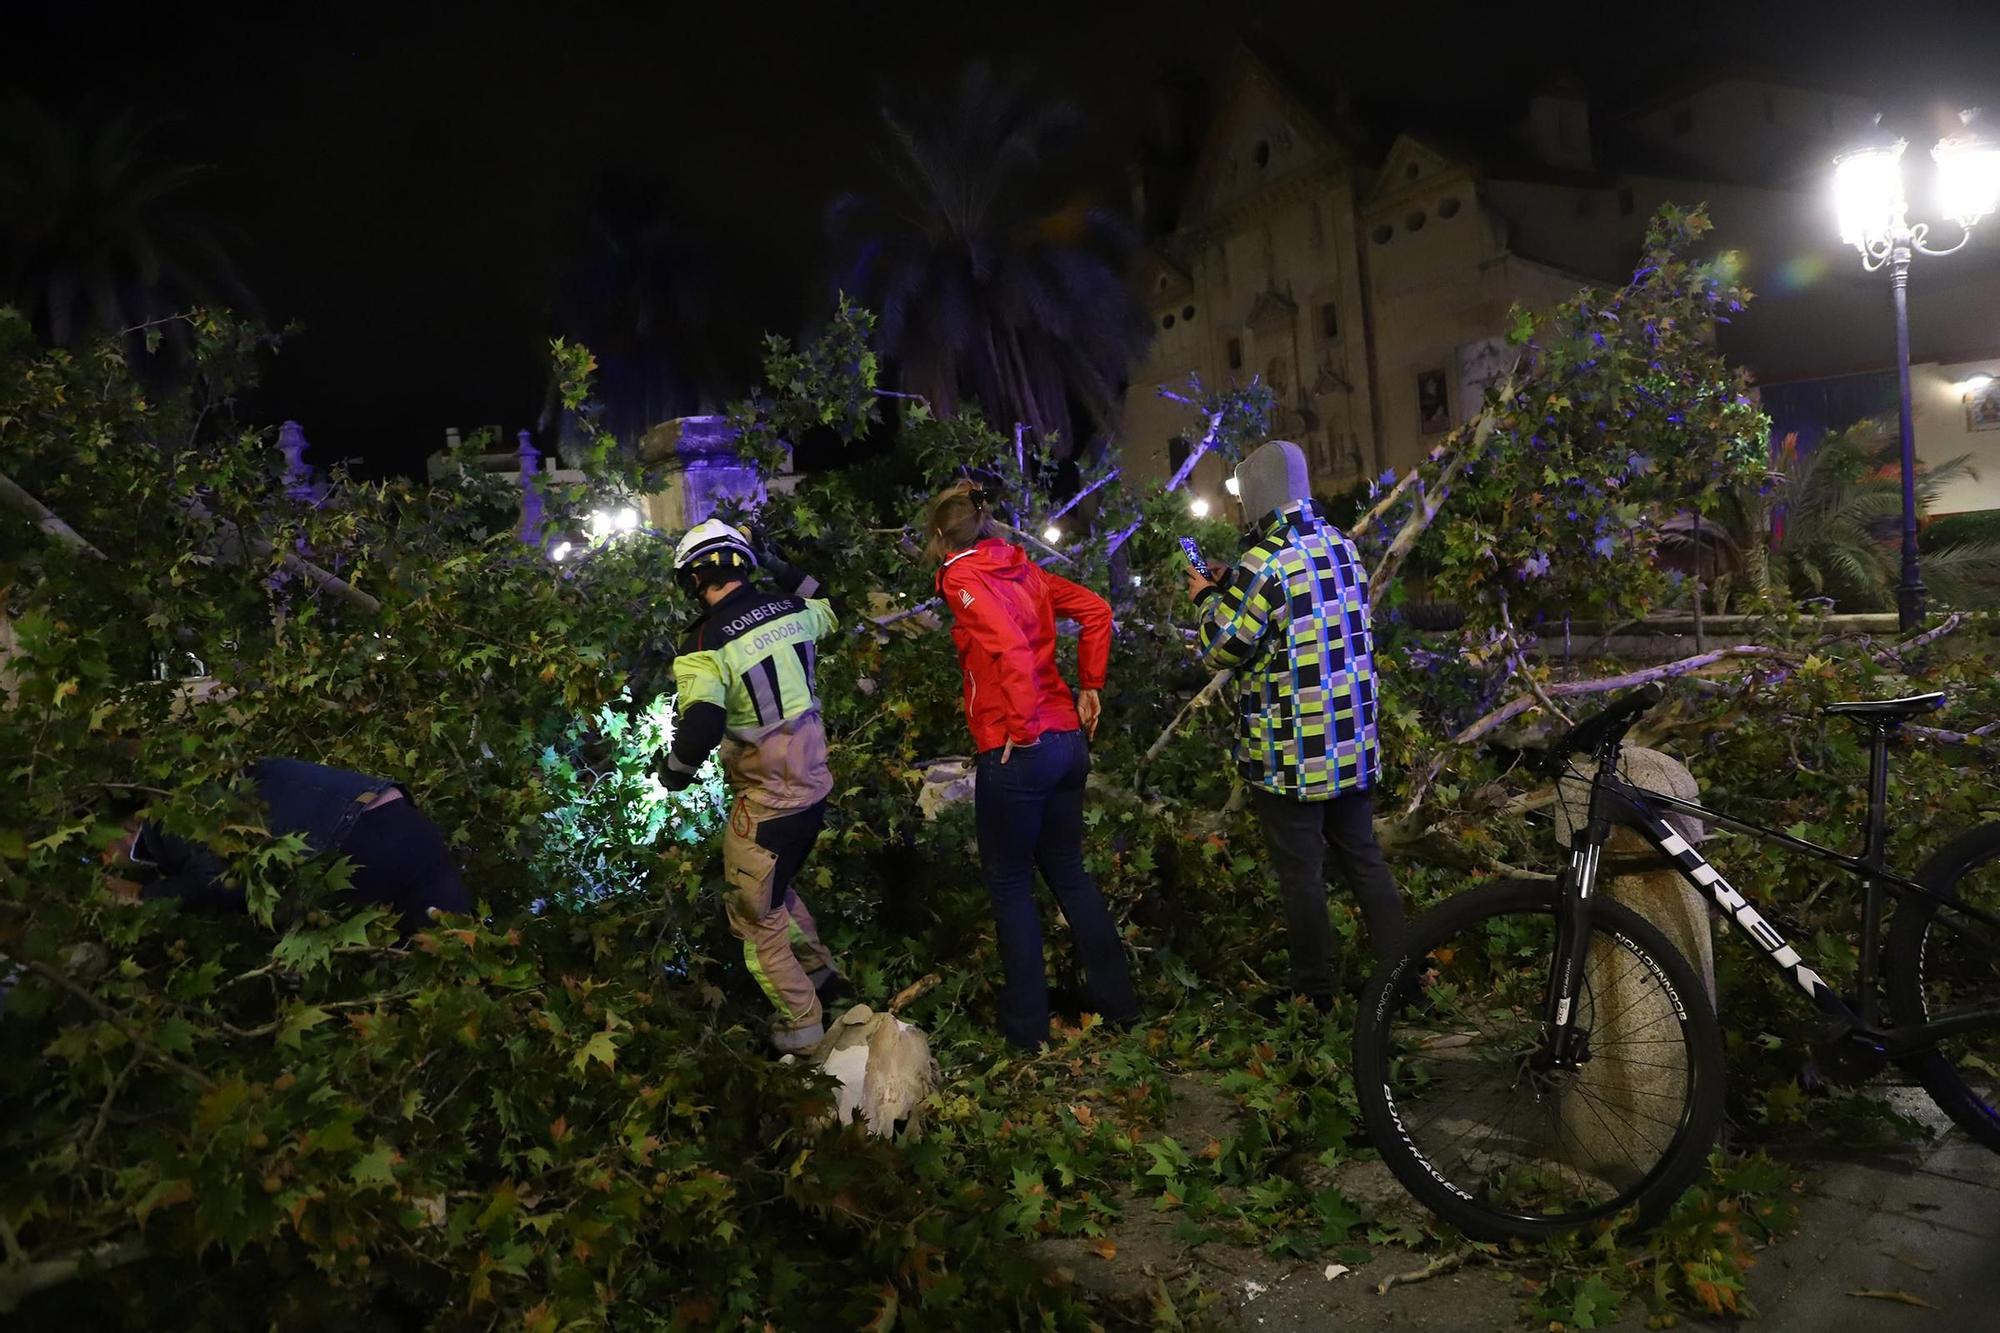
(1291,619)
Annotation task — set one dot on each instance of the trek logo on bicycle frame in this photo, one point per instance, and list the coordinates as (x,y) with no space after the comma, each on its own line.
(1722,894)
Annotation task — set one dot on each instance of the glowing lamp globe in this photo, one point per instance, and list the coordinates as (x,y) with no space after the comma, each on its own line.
(1199,507)
(625,520)
(1968,177)
(1052,534)
(1868,194)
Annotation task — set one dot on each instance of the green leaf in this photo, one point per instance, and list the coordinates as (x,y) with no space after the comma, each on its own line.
(1595,1303)
(375,1168)
(164,1194)
(298,1019)
(1337,1216)
(335,1136)
(219,1104)
(602,1047)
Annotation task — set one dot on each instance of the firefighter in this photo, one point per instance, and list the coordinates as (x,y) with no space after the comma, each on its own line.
(745,675)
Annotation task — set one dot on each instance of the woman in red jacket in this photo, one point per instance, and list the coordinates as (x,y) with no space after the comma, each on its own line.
(1029,735)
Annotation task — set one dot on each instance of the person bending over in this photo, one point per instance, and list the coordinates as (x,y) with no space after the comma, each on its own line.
(399,856)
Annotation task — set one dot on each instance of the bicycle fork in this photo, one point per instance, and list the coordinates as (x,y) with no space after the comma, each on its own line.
(1575,904)
(1575,907)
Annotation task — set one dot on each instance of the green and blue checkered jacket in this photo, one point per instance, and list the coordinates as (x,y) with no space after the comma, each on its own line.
(1292,622)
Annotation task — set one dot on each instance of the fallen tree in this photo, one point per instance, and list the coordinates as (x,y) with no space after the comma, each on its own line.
(553,1115)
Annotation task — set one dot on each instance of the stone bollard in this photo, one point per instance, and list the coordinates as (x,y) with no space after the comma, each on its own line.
(1626,1005)
(1660,895)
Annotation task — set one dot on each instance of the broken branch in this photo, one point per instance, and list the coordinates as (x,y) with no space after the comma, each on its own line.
(322,579)
(1438,1267)
(914,990)
(1513,708)
(43,517)
(1201,699)
(111,1016)
(1894,656)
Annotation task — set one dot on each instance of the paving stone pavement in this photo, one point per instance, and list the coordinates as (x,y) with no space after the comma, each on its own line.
(1923,1225)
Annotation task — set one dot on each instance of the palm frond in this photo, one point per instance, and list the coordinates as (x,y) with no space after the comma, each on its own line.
(978,295)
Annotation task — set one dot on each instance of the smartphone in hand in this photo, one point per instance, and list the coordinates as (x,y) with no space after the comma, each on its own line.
(1193,554)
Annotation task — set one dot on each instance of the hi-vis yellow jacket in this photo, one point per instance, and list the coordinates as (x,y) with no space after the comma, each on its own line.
(745,673)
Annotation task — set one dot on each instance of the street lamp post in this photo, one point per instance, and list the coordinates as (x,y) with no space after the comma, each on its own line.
(1874,218)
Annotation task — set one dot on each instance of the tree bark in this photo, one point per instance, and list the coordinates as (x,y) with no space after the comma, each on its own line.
(325,580)
(1200,699)
(20,501)
(43,517)
(1565,689)
(19,1281)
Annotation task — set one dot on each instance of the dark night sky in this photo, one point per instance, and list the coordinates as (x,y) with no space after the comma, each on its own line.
(404,180)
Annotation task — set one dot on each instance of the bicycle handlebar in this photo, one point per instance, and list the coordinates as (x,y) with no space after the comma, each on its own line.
(1592,734)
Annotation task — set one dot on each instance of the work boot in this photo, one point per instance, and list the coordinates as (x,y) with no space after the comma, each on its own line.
(791,1039)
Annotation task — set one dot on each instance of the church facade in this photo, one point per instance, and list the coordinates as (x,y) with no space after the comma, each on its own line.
(1366,277)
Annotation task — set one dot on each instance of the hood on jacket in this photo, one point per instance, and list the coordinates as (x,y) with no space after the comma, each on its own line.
(995,559)
(1273,477)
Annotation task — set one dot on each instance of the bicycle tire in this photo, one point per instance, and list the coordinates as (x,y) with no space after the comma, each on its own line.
(1376,1051)
(1915,969)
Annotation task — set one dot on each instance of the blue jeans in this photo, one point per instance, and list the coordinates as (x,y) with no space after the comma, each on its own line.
(1030,815)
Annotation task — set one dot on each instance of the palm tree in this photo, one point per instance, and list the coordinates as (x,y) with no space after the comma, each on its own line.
(992,289)
(1838,524)
(1842,524)
(636,295)
(96,235)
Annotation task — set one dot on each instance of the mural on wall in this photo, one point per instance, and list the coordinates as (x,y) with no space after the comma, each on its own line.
(1433,402)
(1982,407)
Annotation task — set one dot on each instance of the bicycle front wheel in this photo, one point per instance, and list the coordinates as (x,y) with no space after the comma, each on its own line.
(1943,960)
(1460,1095)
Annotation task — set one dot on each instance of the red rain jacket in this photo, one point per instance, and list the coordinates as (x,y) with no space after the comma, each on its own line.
(1004,611)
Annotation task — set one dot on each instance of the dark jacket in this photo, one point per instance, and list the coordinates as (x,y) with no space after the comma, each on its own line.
(318,802)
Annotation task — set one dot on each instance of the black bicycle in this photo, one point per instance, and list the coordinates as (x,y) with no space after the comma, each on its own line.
(1542,1057)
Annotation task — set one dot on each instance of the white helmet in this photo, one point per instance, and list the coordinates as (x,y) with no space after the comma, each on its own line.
(713,544)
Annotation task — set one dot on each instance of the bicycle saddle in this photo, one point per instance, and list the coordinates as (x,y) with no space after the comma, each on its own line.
(1887,710)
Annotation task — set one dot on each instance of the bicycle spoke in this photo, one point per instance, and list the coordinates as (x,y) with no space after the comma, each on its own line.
(1481,1101)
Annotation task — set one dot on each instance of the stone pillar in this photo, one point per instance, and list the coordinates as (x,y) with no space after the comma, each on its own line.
(299,484)
(531,495)
(703,469)
(1629,1007)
